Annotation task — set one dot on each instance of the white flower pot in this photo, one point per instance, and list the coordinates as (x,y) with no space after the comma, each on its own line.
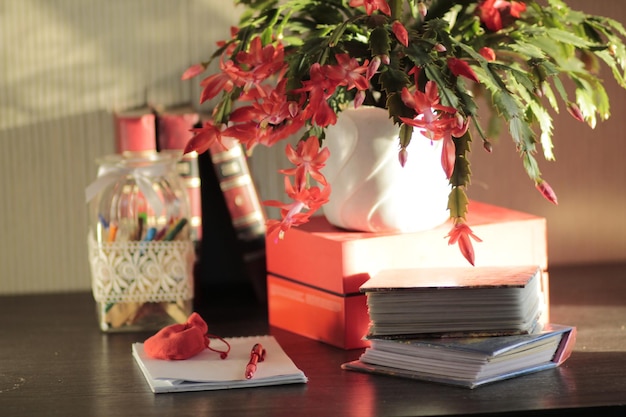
(371,191)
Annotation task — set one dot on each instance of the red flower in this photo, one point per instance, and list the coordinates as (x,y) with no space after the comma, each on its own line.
(215,84)
(320,87)
(497,14)
(347,72)
(204,137)
(372,5)
(461,233)
(310,199)
(261,62)
(461,68)
(192,71)
(432,118)
(308,160)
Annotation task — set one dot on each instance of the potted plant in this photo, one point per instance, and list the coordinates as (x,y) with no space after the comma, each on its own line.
(292,66)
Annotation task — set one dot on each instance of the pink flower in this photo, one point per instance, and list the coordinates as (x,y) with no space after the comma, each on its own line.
(204,138)
(462,233)
(310,199)
(372,5)
(309,160)
(432,118)
(348,72)
(497,14)
(216,83)
(192,71)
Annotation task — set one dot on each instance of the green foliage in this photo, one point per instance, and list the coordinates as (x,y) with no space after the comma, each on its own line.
(546,59)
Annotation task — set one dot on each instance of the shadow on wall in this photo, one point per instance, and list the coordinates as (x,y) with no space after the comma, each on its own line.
(91,55)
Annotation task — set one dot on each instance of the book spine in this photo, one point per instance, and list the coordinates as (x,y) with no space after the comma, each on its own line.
(231,171)
(173,133)
(244,206)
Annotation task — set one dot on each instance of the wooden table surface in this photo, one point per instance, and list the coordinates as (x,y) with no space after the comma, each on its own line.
(54,361)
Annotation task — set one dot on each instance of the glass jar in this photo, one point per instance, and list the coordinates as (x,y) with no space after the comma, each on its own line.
(140,251)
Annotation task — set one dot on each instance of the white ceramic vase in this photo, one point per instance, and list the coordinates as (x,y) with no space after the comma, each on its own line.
(371,191)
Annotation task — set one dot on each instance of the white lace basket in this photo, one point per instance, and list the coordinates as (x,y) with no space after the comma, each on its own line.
(136,271)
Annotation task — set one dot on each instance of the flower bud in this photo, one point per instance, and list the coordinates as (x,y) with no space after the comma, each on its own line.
(373,67)
(423,10)
(400,32)
(403,155)
(547,191)
(359,99)
(488,146)
(488,53)
(574,110)
(440,48)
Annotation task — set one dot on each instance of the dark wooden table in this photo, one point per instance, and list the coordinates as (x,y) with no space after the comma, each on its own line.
(54,361)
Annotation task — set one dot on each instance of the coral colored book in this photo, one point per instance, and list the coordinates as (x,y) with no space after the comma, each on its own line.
(339,261)
(173,133)
(468,362)
(473,301)
(135,130)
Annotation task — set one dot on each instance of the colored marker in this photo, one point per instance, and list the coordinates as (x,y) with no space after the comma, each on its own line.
(150,234)
(112,232)
(175,230)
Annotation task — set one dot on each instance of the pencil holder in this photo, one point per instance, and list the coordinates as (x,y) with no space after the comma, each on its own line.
(140,251)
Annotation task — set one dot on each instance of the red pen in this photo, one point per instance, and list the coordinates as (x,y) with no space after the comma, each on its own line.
(256,355)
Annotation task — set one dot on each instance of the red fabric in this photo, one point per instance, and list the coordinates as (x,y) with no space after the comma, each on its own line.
(178,341)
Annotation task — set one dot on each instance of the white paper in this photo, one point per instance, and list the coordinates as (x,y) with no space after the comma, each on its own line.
(208,371)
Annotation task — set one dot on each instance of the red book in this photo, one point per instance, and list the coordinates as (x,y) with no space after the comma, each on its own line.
(315,272)
(135,130)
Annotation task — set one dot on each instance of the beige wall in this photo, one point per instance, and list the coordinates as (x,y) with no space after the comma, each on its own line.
(66,64)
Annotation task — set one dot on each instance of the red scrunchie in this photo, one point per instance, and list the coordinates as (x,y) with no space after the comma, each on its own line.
(180,341)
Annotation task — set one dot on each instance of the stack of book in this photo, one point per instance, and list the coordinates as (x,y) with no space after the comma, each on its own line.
(460,326)
(315,273)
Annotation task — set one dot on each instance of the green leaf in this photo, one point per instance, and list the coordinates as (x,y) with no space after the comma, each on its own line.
(545,124)
(531,166)
(527,49)
(419,53)
(380,42)
(447,95)
(393,80)
(568,38)
(457,202)
(610,61)
(507,105)
(521,133)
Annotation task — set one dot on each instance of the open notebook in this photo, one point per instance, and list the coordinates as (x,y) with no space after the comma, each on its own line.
(206,371)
